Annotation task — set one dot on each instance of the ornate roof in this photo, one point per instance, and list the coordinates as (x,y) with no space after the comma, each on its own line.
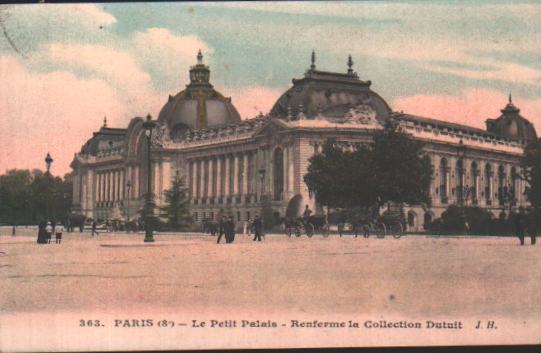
(512,125)
(331,94)
(199,106)
(106,138)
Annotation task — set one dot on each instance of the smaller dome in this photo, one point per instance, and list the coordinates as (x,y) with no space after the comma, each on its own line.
(512,125)
(104,139)
(199,106)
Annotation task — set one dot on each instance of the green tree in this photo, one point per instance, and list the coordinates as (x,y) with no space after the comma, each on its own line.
(532,172)
(15,196)
(394,168)
(402,171)
(177,205)
(31,196)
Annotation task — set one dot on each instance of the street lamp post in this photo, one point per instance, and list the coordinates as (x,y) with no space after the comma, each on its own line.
(261,172)
(48,161)
(128,185)
(148,125)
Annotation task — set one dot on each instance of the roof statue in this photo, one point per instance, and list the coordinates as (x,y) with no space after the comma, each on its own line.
(350,65)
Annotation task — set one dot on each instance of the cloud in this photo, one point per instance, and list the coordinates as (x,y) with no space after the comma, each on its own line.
(30,26)
(166,55)
(113,65)
(250,101)
(471,107)
(52,112)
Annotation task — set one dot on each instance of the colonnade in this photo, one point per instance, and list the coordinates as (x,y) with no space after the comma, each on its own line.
(476,182)
(241,178)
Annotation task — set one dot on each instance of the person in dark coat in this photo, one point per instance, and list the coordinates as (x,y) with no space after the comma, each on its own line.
(230,230)
(532,225)
(221,230)
(42,233)
(257,228)
(519,225)
(94,228)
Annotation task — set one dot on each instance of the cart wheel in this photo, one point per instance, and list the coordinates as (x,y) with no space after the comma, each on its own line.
(381,230)
(325,231)
(398,231)
(288,231)
(309,230)
(366,231)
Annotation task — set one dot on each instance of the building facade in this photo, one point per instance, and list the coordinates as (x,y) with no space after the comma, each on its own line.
(240,166)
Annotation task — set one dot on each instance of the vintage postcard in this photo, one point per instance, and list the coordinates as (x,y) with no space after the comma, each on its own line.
(184,175)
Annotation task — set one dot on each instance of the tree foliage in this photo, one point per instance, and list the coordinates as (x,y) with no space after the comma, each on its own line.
(393,168)
(177,205)
(27,197)
(532,172)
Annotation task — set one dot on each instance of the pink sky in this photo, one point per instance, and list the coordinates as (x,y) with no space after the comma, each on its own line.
(57,112)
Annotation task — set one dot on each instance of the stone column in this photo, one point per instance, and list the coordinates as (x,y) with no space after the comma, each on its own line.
(236,175)
(219,176)
(201,178)
(98,189)
(290,170)
(270,174)
(285,170)
(156,184)
(135,182)
(245,169)
(227,176)
(210,181)
(109,186)
(193,179)
(89,194)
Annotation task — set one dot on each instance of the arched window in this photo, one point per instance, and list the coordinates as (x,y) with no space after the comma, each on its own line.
(444,180)
(514,186)
(502,188)
(278,169)
(427,220)
(460,181)
(488,184)
(474,182)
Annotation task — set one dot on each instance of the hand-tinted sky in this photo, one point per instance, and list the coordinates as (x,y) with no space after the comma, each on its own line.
(64,67)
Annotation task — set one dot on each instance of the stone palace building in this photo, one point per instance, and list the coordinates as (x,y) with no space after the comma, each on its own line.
(233,165)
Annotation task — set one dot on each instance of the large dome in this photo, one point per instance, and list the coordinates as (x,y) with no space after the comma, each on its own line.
(199,106)
(512,125)
(331,94)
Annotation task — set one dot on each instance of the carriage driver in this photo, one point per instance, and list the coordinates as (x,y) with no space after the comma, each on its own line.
(307,213)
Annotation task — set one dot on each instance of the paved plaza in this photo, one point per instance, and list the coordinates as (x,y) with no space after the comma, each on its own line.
(414,275)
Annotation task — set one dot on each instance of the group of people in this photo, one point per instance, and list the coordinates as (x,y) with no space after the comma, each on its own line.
(46,231)
(226,228)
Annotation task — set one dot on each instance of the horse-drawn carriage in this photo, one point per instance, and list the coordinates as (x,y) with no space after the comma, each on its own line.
(306,225)
(369,221)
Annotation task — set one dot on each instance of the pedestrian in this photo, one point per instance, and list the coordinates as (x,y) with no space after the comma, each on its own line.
(519,225)
(42,233)
(230,230)
(49,230)
(257,227)
(58,230)
(221,229)
(94,228)
(532,221)
(249,225)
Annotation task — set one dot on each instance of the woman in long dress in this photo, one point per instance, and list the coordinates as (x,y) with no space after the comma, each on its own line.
(42,233)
